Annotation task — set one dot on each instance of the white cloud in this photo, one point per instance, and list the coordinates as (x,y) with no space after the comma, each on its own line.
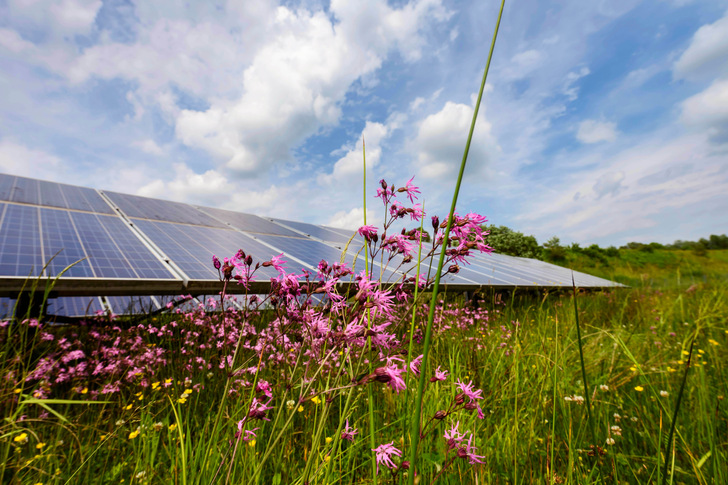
(149,146)
(609,183)
(569,89)
(592,131)
(296,82)
(55,17)
(709,110)
(20,160)
(707,55)
(440,142)
(523,64)
(349,167)
(352,219)
(666,178)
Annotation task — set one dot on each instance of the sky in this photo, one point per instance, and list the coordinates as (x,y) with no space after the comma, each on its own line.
(603,121)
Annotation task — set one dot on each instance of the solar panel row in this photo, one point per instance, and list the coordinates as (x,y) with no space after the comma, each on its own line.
(119,237)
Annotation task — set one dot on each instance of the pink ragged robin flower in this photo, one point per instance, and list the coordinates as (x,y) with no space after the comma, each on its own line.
(440,375)
(368,232)
(348,433)
(384,454)
(411,190)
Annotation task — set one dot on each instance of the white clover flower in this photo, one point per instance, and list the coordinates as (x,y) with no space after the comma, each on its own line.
(664,393)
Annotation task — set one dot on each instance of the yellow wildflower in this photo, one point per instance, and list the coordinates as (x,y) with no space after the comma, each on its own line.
(40,445)
(133,434)
(639,388)
(22,438)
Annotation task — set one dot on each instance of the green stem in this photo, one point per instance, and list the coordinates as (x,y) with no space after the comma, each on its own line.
(415,431)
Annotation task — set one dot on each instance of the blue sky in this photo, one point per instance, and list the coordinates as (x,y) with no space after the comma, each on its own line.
(603,121)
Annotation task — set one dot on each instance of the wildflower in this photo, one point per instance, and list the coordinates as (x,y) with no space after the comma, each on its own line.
(453,437)
(664,393)
(616,430)
(415,365)
(604,387)
(368,232)
(411,190)
(348,432)
(468,391)
(290,403)
(639,388)
(40,445)
(158,426)
(468,451)
(610,441)
(392,375)
(440,375)
(316,400)
(713,342)
(300,409)
(134,434)
(384,454)
(173,426)
(22,438)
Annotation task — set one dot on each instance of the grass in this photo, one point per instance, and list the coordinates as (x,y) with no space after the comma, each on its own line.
(524,355)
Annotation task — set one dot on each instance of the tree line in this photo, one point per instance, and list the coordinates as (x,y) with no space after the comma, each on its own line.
(505,240)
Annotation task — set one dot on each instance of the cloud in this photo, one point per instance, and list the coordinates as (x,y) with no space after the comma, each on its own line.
(352,219)
(149,146)
(20,160)
(707,55)
(440,142)
(349,167)
(592,131)
(56,18)
(609,183)
(296,83)
(709,110)
(664,184)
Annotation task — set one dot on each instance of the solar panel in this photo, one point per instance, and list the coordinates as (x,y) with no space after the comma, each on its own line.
(161,210)
(6,186)
(74,306)
(319,232)
(130,305)
(25,190)
(20,249)
(114,251)
(84,199)
(61,240)
(192,247)
(248,222)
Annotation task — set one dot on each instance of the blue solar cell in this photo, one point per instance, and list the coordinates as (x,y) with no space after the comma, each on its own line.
(20,249)
(312,230)
(61,241)
(25,191)
(114,251)
(51,195)
(129,305)
(74,306)
(7,307)
(161,210)
(85,199)
(249,222)
(6,186)
(192,247)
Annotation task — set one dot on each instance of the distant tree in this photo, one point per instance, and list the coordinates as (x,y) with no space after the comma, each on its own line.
(505,240)
(612,252)
(553,250)
(718,242)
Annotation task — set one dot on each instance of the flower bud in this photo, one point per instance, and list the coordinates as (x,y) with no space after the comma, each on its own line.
(460,398)
(383,184)
(454,268)
(435,222)
(216,262)
(440,414)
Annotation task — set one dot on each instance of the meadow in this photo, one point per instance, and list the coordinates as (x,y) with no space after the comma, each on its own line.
(290,391)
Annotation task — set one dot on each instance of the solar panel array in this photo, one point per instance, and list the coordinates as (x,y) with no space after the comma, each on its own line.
(113,245)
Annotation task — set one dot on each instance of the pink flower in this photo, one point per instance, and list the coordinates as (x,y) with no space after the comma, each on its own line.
(348,433)
(410,189)
(468,390)
(454,437)
(384,455)
(368,232)
(415,365)
(468,451)
(440,375)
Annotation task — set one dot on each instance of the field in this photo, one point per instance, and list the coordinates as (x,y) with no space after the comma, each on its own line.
(284,393)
